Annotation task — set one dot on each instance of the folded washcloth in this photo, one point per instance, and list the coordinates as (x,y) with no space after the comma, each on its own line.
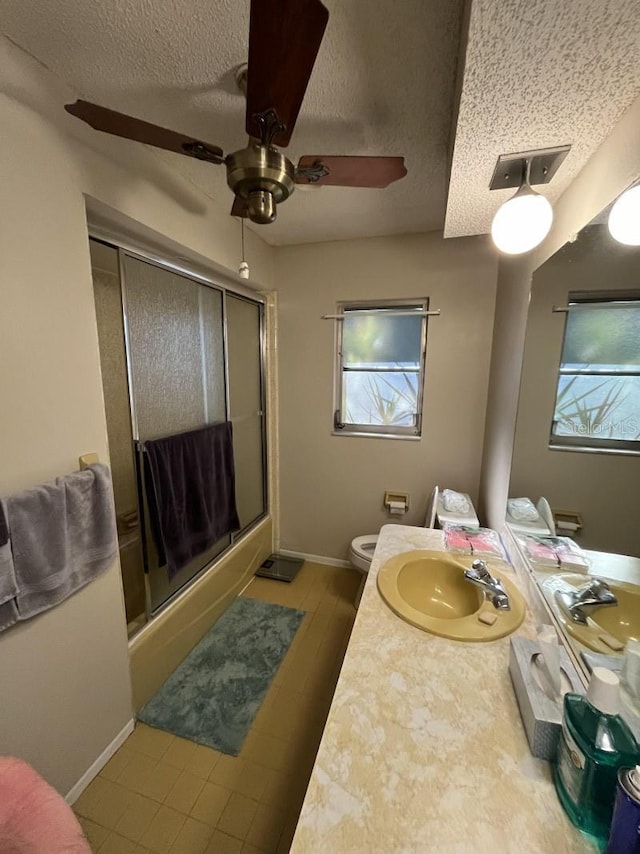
(486,543)
(467,539)
(8,584)
(455,540)
(455,502)
(539,551)
(63,535)
(522,510)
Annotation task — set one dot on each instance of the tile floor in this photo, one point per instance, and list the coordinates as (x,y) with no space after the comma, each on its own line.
(166,795)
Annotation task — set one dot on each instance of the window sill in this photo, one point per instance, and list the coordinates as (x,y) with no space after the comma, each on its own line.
(359,435)
(590,449)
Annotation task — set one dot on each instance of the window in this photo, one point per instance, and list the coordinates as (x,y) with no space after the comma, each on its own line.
(380,367)
(598,395)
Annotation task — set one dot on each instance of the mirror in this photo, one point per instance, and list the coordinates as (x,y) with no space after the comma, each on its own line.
(577,441)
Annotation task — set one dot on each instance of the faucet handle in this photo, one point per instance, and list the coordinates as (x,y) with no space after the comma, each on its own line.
(493,588)
(599,589)
(480,568)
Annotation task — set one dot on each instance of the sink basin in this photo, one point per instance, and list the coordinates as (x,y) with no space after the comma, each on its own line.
(428,589)
(621,621)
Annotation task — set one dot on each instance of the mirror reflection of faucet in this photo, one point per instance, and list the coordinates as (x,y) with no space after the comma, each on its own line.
(578,604)
(492,587)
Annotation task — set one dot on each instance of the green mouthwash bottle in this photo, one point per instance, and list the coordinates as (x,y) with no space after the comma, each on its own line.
(595,742)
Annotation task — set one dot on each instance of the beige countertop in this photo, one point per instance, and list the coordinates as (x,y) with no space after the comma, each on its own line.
(424,749)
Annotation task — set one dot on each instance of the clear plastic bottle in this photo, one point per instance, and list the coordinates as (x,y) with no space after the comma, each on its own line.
(595,742)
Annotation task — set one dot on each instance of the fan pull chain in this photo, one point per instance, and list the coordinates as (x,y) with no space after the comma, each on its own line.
(244,267)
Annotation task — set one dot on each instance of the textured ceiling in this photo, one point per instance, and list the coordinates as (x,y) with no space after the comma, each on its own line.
(383,84)
(538,73)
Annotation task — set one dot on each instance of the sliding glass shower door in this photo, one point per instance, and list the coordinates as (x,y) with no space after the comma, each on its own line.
(190,367)
(244,327)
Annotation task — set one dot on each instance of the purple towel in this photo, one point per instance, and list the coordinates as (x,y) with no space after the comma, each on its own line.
(192,499)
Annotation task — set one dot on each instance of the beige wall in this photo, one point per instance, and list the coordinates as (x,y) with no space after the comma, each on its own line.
(613,167)
(603,488)
(65,675)
(331,487)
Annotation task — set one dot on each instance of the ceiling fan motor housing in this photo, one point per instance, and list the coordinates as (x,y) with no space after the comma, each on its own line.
(263,177)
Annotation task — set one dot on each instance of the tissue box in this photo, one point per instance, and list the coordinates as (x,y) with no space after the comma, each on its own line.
(541,716)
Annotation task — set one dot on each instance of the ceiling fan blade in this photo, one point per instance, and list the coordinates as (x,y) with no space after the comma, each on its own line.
(239,208)
(110,121)
(284,40)
(334,171)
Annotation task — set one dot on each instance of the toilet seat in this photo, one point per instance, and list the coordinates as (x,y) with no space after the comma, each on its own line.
(365,546)
(361,551)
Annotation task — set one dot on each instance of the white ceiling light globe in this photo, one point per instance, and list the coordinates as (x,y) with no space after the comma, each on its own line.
(624,218)
(522,222)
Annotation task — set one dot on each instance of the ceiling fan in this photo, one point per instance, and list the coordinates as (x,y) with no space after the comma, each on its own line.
(284,40)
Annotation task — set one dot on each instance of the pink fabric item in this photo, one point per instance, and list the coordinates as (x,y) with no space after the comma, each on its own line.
(482,542)
(34,818)
(540,552)
(569,553)
(456,541)
(485,542)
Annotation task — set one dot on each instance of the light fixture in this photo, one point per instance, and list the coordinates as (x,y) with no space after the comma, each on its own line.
(624,217)
(524,220)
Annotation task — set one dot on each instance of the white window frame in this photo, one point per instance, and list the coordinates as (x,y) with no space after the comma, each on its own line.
(389,431)
(583,301)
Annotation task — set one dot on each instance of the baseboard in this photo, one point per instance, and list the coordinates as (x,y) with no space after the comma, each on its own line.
(330,561)
(94,769)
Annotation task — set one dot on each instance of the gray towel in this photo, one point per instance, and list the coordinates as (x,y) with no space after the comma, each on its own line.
(8,585)
(63,535)
(8,614)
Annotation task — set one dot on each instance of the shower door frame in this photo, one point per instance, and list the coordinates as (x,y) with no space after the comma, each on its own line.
(198,278)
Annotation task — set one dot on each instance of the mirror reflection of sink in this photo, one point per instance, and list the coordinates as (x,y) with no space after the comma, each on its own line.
(607,628)
(428,589)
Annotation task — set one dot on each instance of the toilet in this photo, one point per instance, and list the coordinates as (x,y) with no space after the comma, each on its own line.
(362,548)
(361,551)
(360,556)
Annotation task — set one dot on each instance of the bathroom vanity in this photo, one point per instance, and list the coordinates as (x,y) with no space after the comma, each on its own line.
(424,749)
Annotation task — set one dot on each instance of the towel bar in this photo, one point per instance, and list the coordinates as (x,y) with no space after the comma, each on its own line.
(383,312)
(87,460)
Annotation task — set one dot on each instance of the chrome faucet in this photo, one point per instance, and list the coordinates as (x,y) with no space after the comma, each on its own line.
(492,587)
(578,604)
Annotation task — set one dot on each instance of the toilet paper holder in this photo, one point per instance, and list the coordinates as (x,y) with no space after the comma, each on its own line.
(396,503)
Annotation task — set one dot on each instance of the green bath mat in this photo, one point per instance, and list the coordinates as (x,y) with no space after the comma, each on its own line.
(214,695)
